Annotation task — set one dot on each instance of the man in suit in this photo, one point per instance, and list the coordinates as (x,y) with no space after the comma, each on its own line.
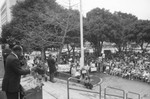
(52,69)
(11,81)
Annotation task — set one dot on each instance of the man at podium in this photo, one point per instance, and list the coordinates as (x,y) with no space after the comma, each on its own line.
(13,71)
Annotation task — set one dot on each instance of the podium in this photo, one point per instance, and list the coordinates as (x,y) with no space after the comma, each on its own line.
(30,94)
(33,90)
(35,93)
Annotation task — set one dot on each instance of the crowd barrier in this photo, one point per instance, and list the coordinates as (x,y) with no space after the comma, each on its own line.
(72,78)
(121,95)
(133,93)
(112,88)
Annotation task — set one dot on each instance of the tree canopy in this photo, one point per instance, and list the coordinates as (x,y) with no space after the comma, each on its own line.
(40,24)
(97,27)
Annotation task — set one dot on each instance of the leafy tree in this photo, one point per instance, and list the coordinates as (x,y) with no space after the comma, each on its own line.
(42,24)
(11,34)
(72,40)
(68,21)
(33,21)
(120,26)
(140,33)
(97,28)
(39,27)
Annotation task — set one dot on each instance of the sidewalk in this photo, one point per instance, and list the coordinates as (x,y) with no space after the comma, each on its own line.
(47,95)
(58,90)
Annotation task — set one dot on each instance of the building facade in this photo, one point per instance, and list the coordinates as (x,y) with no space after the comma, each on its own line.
(5,12)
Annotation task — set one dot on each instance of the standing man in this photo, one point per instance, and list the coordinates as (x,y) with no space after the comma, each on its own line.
(5,52)
(52,69)
(11,81)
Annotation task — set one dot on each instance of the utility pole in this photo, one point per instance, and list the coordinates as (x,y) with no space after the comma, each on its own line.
(69,4)
(81,36)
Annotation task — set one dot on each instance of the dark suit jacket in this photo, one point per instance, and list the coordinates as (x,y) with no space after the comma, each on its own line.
(51,64)
(11,80)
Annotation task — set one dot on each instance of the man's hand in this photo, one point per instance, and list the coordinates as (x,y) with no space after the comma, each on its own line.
(28,68)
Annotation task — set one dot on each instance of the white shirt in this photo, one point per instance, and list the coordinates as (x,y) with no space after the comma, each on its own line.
(14,54)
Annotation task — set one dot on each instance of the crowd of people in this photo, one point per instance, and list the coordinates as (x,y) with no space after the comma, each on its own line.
(133,66)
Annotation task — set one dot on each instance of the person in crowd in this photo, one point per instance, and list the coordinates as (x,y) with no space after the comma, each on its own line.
(36,60)
(13,71)
(52,68)
(5,52)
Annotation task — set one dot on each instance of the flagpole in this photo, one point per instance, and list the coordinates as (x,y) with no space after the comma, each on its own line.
(81,36)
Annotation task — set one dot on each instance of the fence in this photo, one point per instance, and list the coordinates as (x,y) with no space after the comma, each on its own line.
(127,95)
(112,88)
(121,96)
(72,78)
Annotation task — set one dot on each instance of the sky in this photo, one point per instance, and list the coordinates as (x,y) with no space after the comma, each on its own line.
(139,8)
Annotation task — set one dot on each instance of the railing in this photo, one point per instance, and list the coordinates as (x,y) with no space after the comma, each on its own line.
(119,96)
(122,94)
(127,95)
(72,78)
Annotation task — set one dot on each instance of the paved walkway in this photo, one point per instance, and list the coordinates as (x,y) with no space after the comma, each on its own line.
(128,85)
(58,90)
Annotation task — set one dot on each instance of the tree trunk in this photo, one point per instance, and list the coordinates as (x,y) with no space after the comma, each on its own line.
(59,54)
(73,53)
(141,45)
(147,45)
(99,48)
(43,54)
(119,48)
(63,40)
(68,51)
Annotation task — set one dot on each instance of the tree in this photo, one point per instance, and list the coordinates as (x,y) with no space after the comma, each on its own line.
(33,21)
(72,40)
(42,23)
(97,28)
(68,21)
(140,33)
(120,27)
(37,17)
(11,34)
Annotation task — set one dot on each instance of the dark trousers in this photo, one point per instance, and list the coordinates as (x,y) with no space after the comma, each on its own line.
(51,76)
(14,95)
